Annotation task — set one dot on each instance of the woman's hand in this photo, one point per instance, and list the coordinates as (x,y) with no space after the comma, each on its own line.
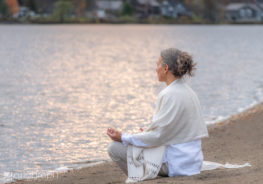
(115,135)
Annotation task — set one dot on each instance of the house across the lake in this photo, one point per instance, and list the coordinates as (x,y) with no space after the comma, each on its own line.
(145,8)
(244,12)
(107,9)
(170,8)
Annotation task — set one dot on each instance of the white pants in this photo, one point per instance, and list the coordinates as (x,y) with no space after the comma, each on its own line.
(118,153)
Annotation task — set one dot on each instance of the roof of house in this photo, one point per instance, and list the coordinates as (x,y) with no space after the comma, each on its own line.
(260,5)
(150,2)
(109,5)
(237,6)
(178,6)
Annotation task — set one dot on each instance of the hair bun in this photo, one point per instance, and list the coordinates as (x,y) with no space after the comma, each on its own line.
(185,64)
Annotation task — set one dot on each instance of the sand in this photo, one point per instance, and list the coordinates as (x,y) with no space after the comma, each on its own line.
(237,140)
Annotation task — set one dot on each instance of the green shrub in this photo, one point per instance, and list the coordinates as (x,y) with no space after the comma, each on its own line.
(63,10)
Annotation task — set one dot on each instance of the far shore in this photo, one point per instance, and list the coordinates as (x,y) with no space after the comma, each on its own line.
(236,140)
(124,20)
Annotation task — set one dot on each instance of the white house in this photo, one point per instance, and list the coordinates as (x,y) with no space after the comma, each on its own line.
(174,9)
(244,12)
(144,8)
(107,8)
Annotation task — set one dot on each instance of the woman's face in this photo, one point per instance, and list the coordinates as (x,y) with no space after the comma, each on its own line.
(160,70)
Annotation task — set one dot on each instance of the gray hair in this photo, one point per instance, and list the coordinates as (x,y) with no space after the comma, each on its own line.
(179,62)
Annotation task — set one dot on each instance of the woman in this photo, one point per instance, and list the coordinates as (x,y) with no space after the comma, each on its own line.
(171,145)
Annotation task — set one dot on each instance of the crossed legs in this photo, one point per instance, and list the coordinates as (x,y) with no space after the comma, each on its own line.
(118,153)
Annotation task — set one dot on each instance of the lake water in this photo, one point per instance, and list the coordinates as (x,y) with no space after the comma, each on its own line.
(61,86)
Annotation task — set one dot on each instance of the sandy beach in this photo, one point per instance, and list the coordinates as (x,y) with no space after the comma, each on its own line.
(237,140)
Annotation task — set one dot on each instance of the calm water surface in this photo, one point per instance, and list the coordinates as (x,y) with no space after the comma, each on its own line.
(61,86)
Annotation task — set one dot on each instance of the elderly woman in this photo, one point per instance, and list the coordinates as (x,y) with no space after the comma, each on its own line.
(171,145)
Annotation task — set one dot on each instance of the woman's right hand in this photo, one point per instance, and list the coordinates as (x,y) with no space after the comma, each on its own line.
(115,135)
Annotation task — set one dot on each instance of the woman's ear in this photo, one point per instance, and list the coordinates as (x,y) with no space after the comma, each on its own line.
(166,68)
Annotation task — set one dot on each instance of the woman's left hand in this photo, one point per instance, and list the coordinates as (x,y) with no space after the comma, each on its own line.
(115,135)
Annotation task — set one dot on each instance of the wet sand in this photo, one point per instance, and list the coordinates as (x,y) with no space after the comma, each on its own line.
(237,140)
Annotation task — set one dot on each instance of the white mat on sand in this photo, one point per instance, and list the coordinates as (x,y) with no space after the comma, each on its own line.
(207,165)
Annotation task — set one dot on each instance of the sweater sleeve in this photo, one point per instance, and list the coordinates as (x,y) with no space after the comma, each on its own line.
(129,139)
(162,130)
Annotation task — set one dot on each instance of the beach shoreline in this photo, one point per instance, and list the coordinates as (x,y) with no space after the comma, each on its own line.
(236,140)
